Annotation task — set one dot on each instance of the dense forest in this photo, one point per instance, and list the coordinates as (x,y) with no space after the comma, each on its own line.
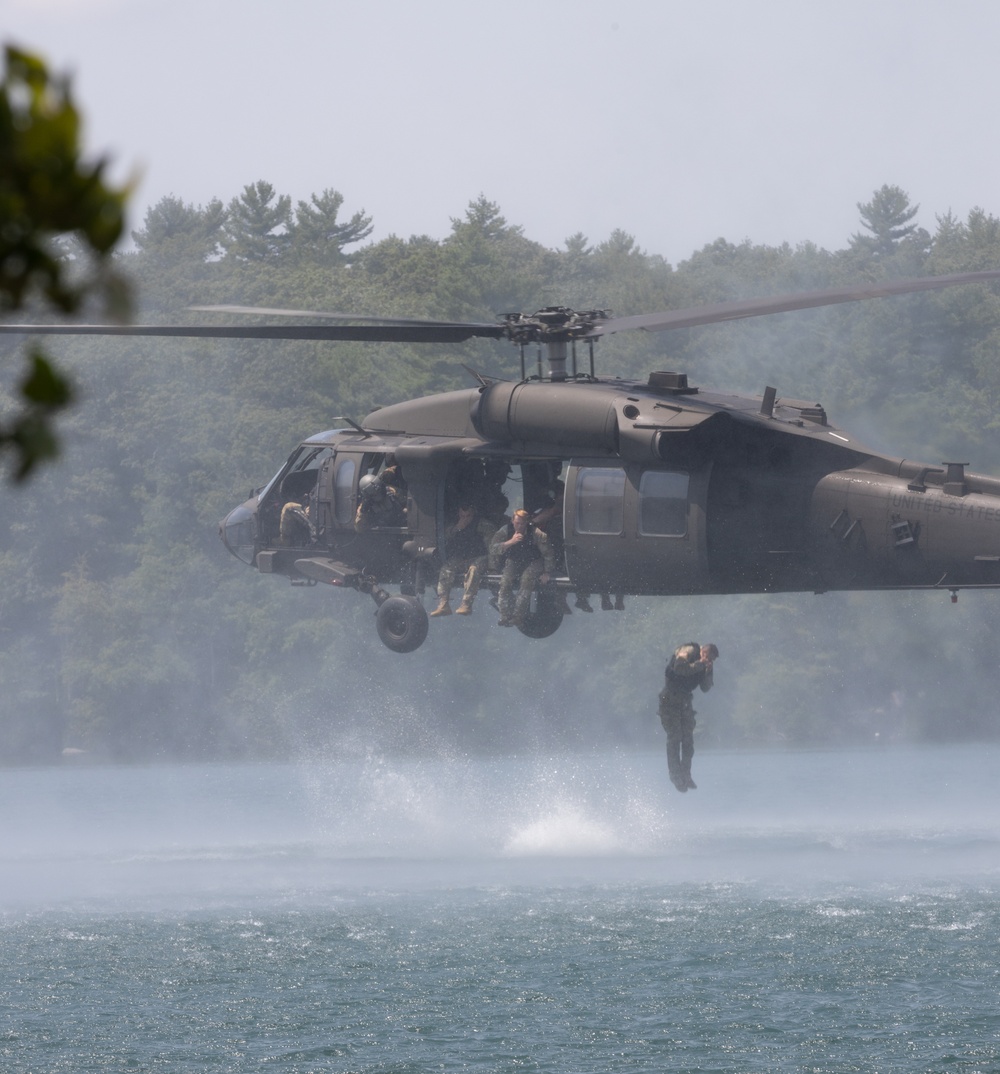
(127,630)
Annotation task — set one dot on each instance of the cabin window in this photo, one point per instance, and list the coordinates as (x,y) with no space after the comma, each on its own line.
(600,498)
(344,491)
(663,500)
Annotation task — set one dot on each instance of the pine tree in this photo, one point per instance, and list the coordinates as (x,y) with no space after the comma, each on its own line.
(888,216)
(258,225)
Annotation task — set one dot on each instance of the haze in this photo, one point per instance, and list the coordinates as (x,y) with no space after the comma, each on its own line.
(676,122)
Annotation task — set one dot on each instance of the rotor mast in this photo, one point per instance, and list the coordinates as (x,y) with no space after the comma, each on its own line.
(553,329)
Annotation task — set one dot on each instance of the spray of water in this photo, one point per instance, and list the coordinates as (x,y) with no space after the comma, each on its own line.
(305,833)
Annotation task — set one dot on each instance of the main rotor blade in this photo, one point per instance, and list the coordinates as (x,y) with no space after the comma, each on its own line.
(404,330)
(694,316)
(416,332)
(329,315)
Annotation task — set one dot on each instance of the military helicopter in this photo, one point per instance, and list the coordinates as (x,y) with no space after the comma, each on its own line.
(669,489)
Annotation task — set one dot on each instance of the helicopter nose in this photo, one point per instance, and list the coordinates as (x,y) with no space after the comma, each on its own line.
(238,532)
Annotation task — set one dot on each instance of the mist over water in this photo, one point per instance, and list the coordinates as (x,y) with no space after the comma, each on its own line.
(192,835)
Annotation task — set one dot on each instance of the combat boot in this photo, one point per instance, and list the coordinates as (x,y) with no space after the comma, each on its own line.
(443,608)
(465,608)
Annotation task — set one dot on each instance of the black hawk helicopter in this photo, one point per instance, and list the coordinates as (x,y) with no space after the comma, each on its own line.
(669,490)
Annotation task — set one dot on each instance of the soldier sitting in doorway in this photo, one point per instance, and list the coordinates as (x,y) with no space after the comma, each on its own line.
(523,556)
(467,544)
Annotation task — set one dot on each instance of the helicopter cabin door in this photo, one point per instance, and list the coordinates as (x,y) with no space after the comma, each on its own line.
(635,528)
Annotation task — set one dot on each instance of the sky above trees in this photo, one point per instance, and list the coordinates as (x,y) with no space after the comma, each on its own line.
(676,122)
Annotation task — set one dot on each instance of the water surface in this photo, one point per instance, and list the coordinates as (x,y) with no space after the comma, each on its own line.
(800,912)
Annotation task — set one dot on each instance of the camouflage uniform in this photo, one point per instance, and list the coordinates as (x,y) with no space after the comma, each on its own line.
(685,672)
(467,557)
(520,567)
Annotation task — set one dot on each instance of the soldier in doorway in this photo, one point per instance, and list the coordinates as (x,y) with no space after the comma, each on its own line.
(383,503)
(467,543)
(523,556)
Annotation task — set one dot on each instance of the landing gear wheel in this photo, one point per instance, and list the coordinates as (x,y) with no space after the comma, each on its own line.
(545,617)
(401,623)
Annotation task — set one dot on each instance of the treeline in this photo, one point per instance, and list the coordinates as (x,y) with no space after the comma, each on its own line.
(126,629)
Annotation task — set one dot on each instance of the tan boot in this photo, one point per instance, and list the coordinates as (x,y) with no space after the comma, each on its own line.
(443,608)
(465,608)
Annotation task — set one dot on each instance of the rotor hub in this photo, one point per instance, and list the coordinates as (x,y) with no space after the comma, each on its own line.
(553,324)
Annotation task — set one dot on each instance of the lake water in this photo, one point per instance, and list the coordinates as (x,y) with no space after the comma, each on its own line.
(813,912)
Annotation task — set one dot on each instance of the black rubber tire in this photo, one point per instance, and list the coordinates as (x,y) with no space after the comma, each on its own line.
(402,624)
(545,617)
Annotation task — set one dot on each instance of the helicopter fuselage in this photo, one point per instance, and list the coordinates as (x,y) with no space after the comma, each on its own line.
(668,491)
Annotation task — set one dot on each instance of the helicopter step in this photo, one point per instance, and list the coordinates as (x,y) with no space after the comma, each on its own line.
(401,621)
(334,572)
(329,571)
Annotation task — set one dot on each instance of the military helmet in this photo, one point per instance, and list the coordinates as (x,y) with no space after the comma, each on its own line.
(370,487)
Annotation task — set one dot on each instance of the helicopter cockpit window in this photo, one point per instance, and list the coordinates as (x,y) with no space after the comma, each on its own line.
(266,490)
(600,499)
(663,501)
(312,460)
(307,459)
(238,533)
(297,478)
(344,490)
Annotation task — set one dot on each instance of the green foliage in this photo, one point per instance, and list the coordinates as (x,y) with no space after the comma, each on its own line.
(48,191)
(178,232)
(257,224)
(44,392)
(489,267)
(319,237)
(127,630)
(888,216)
